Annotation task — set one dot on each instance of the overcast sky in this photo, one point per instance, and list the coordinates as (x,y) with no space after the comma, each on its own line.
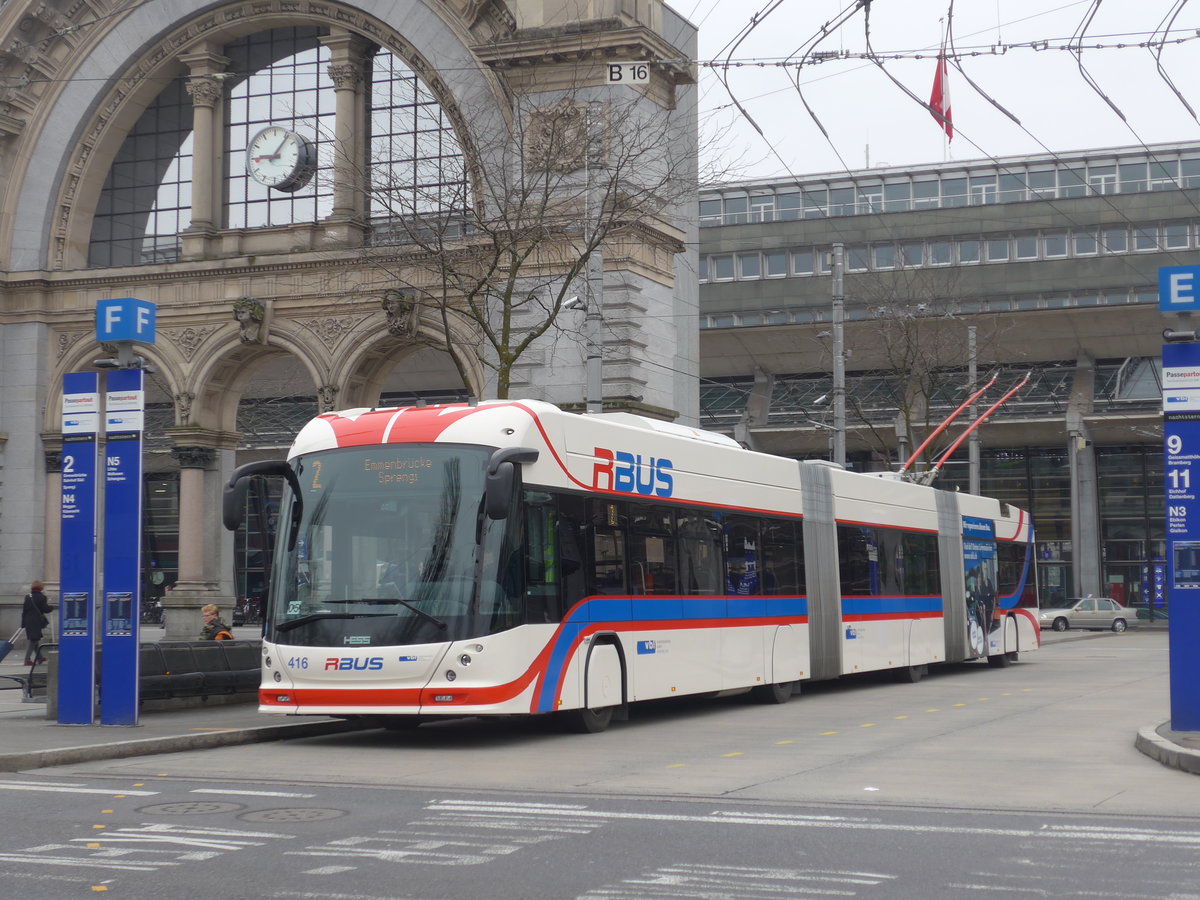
(870,119)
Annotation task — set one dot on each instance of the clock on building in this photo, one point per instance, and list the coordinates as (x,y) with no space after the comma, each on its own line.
(280,159)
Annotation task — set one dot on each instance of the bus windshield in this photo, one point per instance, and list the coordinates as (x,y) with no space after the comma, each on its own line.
(392,548)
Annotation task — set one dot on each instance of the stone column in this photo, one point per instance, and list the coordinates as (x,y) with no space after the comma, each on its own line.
(195,587)
(348,58)
(52,445)
(206,87)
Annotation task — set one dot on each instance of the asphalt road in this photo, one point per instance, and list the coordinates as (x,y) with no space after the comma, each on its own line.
(976,781)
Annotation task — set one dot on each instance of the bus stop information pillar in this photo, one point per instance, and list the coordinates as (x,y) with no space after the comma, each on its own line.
(76,659)
(1179,292)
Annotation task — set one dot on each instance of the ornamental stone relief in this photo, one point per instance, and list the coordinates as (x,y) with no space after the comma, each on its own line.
(556,138)
(330,330)
(189,339)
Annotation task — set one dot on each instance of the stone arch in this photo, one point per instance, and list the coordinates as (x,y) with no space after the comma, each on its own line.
(374,351)
(79,357)
(219,377)
(63,159)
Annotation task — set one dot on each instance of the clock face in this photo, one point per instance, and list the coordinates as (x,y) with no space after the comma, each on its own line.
(280,159)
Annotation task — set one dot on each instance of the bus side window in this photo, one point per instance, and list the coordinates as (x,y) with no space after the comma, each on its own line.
(539,557)
(571,531)
(700,569)
(783,558)
(742,557)
(608,548)
(858,560)
(652,551)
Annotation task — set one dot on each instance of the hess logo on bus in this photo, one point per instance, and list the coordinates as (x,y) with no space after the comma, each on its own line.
(632,473)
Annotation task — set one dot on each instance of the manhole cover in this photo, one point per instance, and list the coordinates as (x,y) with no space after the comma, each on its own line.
(291,815)
(191,808)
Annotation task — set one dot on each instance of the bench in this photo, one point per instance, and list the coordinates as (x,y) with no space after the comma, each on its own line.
(174,674)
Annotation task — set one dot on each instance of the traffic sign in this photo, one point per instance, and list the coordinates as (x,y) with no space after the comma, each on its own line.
(1179,288)
(125,319)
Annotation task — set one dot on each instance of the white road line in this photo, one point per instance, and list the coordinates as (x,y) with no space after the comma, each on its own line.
(251,793)
(328,870)
(53,789)
(724,817)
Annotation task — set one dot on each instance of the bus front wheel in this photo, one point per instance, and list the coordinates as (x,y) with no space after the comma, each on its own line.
(587,721)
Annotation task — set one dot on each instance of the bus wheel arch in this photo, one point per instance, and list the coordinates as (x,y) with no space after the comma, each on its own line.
(594,715)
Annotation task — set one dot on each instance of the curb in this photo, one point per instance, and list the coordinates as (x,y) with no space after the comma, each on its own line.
(1153,744)
(38,759)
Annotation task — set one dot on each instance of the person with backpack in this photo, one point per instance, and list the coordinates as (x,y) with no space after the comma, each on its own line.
(34,617)
(214,628)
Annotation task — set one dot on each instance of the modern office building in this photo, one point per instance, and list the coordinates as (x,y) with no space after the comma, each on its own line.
(1046,265)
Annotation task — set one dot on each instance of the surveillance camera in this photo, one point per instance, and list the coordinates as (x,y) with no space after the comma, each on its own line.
(572,303)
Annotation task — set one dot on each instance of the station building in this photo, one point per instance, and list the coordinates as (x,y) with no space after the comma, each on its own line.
(1050,262)
(225,161)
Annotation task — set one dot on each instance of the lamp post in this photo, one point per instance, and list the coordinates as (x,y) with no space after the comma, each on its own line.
(839,357)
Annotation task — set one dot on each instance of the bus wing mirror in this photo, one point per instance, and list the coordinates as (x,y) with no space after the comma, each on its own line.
(501,478)
(233,498)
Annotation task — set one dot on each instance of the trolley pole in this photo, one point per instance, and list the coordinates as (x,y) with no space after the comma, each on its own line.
(839,356)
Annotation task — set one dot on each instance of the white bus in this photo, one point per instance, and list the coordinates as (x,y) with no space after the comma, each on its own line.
(509,558)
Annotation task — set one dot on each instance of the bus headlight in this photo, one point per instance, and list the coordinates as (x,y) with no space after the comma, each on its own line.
(465,659)
(450,676)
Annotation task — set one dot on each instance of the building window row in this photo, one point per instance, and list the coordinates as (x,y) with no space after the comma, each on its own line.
(975,186)
(1052,244)
(1019,303)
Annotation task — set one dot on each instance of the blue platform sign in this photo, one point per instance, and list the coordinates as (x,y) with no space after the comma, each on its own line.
(126,319)
(1179,288)
(77,552)
(1181,440)
(123,418)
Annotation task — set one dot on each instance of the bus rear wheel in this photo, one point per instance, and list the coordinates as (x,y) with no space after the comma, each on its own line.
(773,693)
(587,721)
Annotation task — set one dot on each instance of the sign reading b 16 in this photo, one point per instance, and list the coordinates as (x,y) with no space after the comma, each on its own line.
(628,73)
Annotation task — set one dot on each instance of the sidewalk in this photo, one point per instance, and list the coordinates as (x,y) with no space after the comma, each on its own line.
(29,741)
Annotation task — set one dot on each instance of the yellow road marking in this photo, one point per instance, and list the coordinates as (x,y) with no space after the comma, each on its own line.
(827,733)
(735,753)
(901,717)
(676,765)
(867,725)
(960,704)
(784,742)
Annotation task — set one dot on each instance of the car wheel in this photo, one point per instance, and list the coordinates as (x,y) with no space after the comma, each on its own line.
(1119,625)
(1060,624)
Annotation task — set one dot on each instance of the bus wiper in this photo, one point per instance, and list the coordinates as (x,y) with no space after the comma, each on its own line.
(407,604)
(317,617)
(420,612)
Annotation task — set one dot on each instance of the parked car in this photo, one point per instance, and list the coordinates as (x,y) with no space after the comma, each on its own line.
(1085,612)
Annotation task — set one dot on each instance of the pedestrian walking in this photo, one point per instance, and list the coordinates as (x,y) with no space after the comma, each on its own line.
(34,618)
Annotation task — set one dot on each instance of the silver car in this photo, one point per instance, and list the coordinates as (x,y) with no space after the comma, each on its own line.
(1085,612)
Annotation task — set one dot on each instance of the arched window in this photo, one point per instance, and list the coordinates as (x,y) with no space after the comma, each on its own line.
(279,77)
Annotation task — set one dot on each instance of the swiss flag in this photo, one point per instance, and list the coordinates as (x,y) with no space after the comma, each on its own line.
(939,100)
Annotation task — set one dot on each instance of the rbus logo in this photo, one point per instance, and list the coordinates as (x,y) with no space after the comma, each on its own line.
(349,664)
(630,474)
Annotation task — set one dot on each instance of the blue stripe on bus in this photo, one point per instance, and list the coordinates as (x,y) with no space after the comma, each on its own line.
(868,606)
(665,610)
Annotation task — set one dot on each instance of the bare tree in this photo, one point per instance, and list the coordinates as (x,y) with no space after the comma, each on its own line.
(484,251)
(917,351)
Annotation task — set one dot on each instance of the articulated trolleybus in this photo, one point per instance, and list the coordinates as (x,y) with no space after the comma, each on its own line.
(509,558)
